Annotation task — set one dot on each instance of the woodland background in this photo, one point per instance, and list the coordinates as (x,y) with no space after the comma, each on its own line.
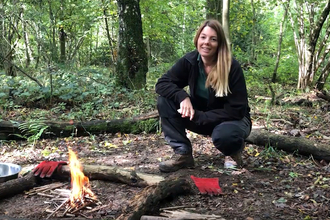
(73,60)
(73,68)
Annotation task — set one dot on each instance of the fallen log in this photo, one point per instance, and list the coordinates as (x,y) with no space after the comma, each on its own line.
(19,185)
(299,145)
(116,174)
(94,172)
(150,122)
(149,199)
(10,130)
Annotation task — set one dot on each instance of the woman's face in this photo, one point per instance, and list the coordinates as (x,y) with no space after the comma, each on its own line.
(207,44)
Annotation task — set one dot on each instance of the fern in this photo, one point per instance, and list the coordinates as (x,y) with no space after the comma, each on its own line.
(33,130)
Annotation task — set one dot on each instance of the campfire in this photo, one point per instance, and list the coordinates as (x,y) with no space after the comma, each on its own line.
(81,194)
(71,202)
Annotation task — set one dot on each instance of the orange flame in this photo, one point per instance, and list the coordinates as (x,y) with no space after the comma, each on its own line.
(79,182)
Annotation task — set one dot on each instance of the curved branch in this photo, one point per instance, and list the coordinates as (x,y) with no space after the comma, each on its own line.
(31,77)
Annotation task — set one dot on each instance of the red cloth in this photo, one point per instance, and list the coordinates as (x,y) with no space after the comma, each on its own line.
(47,168)
(207,185)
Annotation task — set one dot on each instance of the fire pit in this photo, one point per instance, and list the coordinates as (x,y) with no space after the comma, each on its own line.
(9,171)
(80,196)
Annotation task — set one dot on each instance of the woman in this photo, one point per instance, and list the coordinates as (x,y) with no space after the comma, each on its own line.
(217,104)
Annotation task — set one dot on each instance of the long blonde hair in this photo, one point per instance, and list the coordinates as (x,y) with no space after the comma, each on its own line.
(218,77)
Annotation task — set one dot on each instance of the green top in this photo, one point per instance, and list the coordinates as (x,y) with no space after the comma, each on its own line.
(201,90)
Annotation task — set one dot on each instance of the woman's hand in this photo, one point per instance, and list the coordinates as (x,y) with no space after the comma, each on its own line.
(186,109)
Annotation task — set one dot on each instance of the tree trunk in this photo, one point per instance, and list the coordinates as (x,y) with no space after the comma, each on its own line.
(323,77)
(225,20)
(28,52)
(214,9)
(253,57)
(306,38)
(62,44)
(279,45)
(52,38)
(108,33)
(132,64)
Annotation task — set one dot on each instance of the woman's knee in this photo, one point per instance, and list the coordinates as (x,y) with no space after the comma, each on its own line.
(228,138)
(166,107)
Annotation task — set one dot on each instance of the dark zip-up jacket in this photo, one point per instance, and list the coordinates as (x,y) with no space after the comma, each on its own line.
(218,109)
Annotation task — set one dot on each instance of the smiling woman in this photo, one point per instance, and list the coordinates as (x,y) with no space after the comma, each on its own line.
(207,46)
(217,104)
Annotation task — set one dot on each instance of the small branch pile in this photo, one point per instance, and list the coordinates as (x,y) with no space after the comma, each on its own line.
(64,207)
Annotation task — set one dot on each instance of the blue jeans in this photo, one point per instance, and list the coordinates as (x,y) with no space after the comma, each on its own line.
(227,136)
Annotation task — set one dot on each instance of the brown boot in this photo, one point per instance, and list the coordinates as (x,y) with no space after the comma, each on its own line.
(177,162)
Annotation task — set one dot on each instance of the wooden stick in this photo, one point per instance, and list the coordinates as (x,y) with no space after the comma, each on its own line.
(37,189)
(58,208)
(66,210)
(46,195)
(174,207)
(85,216)
(96,209)
(81,207)
(59,199)
(70,215)
(149,217)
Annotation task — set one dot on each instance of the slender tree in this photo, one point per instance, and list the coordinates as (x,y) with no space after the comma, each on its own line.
(132,62)
(106,22)
(225,20)
(214,9)
(278,56)
(253,34)
(307,35)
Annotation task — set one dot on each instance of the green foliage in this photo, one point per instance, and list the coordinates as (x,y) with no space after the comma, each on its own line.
(82,89)
(85,94)
(147,126)
(271,152)
(33,130)
(170,27)
(156,72)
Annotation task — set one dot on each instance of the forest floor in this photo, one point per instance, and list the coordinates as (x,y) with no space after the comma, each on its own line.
(273,184)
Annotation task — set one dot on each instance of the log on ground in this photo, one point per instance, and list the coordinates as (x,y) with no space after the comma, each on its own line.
(148,200)
(299,145)
(116,174)
(10,130)
(94,172)
(16,186)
